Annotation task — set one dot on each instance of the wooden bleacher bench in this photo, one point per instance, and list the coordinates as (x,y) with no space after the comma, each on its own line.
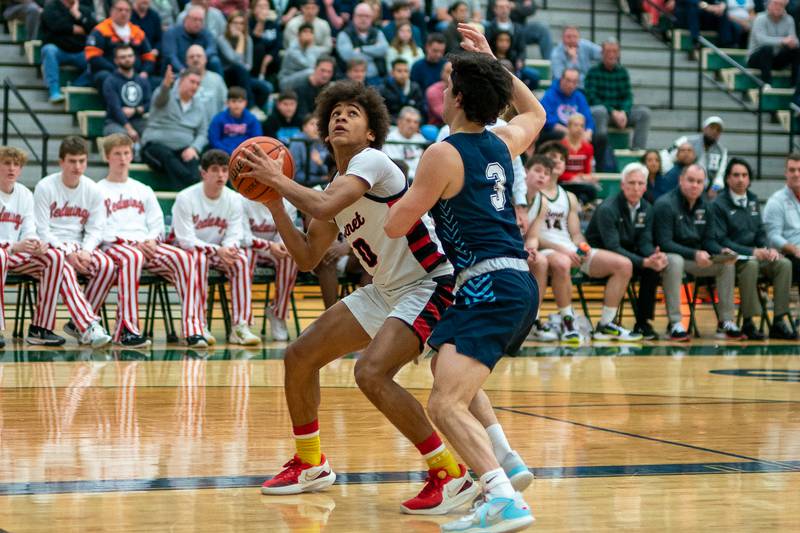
(91,123)
(542,66)
(785,119)
(82,99)
(16,28)
(682,39)
(734,80)
(619,139)
(626,156)
(710,60)
(33,51)
(609,184)
(773,99)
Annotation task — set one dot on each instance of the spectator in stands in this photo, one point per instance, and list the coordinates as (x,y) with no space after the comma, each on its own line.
(148,19)
(578,177)
(263,25)
(401,14)
(232,126)
(309,153)
(781,216)
(338,12)
(177,130)
(443,15)
(741,14)
(459,13)
(608,90)
(709,152)
(356,70)
(64,26)
(189,32)
(535,32)
(167,10)
(214,20)
(623,223)
(684,156)
(558,229)
(309,88)
(236,52)
(683,232)
(399,91)
(298,61)
(127,96)
(361,40)
(696,15)
(506,50)
(502,22)
(406,132)
(284,122)
(574,52)
(213,92)
(434,97)
(309,15)
(116,29)
(737,228)
(652,161)
(402,45)
(562,100)
(773,43)
(428,70)
(27,12)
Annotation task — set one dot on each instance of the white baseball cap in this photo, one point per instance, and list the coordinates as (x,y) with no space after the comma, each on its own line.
(713,120)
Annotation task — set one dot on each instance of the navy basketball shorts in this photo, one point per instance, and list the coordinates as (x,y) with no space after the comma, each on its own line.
(491,316)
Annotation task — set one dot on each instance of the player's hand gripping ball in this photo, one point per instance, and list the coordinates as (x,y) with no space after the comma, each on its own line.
(257,164)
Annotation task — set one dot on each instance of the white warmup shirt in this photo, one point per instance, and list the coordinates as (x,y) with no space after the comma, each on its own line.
(132,212)
(258,223)
(16,216)
(69,219)
(198,221)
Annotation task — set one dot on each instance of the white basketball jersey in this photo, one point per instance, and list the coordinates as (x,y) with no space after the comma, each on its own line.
(391,262)
(555,227)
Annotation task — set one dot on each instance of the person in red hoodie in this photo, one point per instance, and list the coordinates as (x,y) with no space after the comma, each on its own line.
(578,177)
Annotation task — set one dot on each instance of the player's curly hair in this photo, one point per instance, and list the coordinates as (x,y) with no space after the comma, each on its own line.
(350,91)
(484,85)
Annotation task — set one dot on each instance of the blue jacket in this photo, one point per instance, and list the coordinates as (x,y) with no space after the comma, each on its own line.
(176,41)
(560,107)
(226,132)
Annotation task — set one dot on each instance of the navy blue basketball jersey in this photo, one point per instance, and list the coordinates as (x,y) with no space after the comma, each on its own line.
(479,222)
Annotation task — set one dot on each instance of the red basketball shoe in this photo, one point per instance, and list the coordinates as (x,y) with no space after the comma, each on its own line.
(298,477)
(442,493)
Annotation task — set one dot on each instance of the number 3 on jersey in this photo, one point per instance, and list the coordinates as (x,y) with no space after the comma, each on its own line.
(495,173)
(362,248)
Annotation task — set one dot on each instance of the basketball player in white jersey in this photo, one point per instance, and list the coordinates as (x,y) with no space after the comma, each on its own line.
(263,246)
(557,227)
(207,222)
(68,210)
(390,320)
(132,237)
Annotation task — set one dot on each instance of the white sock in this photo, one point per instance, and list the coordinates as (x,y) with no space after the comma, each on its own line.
(496,483)
(608,314)
(566,311)
(499,442)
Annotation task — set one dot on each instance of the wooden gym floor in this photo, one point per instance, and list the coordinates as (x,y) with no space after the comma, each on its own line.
(700,437)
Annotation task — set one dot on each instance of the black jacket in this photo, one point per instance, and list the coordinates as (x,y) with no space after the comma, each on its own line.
(680,230)
(612,229)
(739,228)
(56,26)
(395,98)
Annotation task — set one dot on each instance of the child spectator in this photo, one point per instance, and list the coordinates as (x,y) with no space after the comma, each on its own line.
(284,122)
(581,153)
(230,127)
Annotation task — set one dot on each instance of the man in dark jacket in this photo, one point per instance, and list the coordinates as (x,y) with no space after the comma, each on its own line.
(127,96)
(623,223)
(399,91)
(683,232)
(179,38)
(64,27)
(737,225)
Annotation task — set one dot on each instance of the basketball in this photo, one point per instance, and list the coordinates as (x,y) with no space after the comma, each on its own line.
(249,187)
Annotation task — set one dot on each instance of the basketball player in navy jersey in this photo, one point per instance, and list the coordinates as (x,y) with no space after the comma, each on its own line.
(465,182)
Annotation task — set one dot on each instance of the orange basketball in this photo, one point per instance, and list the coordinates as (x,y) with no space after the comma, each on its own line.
(249,187)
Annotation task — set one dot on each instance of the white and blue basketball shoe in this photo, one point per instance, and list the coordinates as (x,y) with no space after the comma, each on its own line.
(517,471)
(494,515)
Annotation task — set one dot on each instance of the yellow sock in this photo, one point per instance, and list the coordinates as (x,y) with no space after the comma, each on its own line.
(437,455)
(306,438)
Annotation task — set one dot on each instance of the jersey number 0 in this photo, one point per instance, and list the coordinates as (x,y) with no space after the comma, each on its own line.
(495,173)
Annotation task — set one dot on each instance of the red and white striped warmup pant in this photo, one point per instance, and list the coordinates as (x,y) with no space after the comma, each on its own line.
(239,276)
(54,278)
(176,265)
(285,277)
(102,275)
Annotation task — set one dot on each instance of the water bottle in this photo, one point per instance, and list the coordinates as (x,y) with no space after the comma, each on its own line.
(582,251)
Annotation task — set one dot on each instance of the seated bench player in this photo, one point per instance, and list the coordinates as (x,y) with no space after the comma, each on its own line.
(207,221)
(132,237)
(264,246)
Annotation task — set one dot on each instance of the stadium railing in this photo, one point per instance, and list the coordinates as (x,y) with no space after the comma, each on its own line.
(8,89)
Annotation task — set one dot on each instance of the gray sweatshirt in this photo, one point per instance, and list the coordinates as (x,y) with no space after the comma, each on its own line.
(765,32)
(170,125)
(782,218)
